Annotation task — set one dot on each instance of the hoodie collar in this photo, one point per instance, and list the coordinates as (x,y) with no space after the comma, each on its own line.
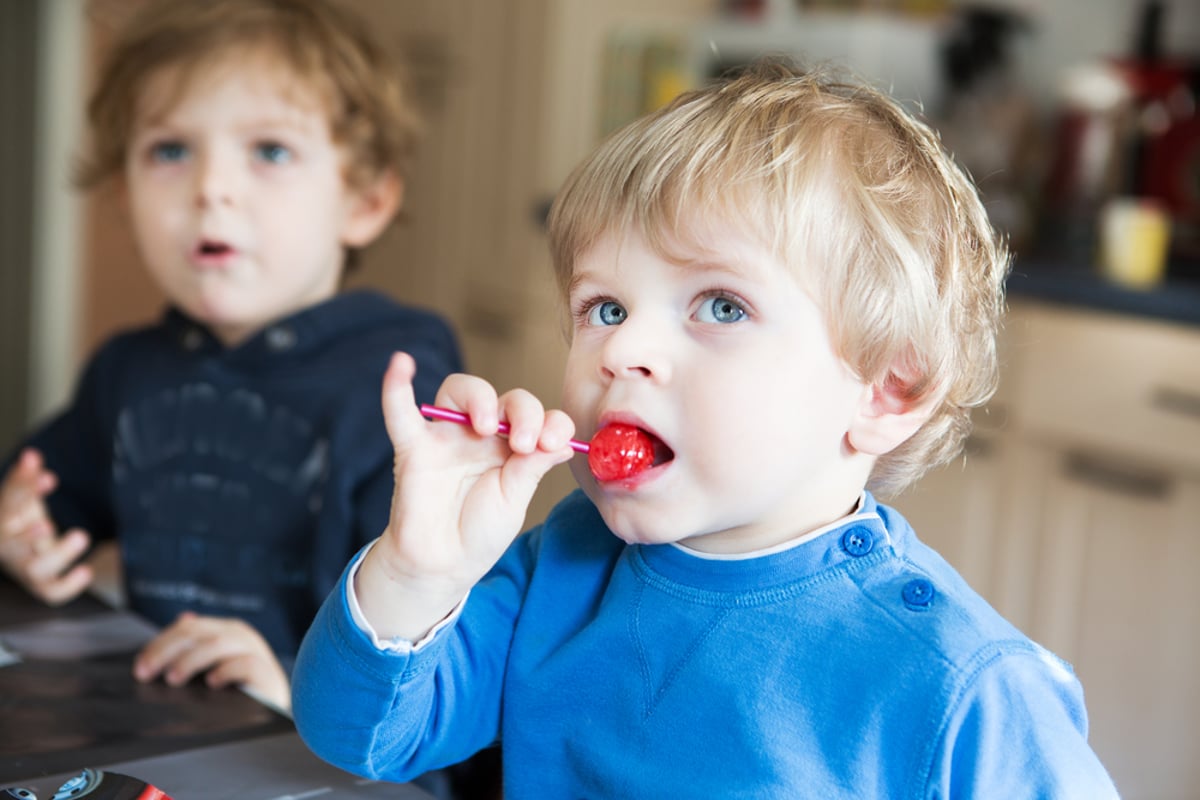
(293,336)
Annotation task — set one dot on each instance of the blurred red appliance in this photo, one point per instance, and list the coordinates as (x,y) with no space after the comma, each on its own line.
(1168,166)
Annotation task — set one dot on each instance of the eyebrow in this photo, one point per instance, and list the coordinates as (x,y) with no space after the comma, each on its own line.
(164,118)
(577,278)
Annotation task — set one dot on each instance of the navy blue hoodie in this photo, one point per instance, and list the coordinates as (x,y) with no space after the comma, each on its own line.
(239,481)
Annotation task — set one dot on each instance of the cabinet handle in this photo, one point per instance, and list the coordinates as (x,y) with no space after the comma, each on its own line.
(1176,401)
(1111,475)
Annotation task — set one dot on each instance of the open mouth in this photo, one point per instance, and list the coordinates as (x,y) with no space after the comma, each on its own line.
(662,453)
(213,249)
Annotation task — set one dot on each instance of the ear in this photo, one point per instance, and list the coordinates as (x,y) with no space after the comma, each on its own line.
(371,209)
(888,414)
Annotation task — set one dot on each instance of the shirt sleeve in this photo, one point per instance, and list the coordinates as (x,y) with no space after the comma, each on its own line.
(1020,731)
(394,710)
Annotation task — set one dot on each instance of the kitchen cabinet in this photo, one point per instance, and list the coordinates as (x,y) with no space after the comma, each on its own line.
(1080,522)
(1117,596)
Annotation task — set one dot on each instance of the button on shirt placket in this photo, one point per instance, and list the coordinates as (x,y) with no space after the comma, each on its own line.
(918,594)
(858,542)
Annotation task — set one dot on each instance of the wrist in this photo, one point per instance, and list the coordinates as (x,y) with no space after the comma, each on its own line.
(399,606)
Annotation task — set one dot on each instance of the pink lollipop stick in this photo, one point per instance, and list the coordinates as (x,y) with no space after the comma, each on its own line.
(437,412)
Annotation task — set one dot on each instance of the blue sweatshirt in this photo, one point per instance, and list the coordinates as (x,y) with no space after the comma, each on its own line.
(238,481)
(855,664)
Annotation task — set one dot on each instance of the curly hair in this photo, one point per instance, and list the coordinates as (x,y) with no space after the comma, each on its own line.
(371,108)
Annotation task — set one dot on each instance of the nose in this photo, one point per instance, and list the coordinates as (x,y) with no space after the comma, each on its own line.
(216,180)
(636,350)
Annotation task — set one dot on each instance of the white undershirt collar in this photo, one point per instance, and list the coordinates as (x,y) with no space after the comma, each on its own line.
(855,514)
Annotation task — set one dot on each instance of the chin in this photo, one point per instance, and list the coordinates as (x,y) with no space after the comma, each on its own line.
(206,309)
(636,517)
(640,526)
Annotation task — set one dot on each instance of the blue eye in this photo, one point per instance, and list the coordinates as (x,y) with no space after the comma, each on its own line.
(272,152)
(168,152)
(720,309)
(606,313)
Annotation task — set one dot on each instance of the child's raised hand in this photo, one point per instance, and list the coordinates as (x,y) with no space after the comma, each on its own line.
(229,651)
(460,495)
(31,551)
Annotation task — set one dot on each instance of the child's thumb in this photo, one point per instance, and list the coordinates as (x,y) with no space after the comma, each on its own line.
(400,413)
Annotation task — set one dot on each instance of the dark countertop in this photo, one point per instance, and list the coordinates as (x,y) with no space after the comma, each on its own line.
(1176,299)
(70,700)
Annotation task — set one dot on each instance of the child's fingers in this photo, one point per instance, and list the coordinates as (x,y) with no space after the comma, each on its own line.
(400,412)
(22,519)
(531,426)
(30,471)
(46,483)
(55,553)
(261,678)
(65,588)
(475,397)
(228,650)
(240,669)
(539,440)
(522,473)
(21,497)
(255,666)
(17,493)
(51,555)
(557,430)
(165,648)
(526,418)
(212,642)
(33,465)
(30,461)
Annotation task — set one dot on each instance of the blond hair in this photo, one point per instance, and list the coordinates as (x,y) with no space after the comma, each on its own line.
(849,190)
(371,111)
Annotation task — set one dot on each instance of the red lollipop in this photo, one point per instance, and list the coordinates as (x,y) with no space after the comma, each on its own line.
(620,451)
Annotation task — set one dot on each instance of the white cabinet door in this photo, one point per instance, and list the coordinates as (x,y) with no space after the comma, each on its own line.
(1116,594)
(1080,522)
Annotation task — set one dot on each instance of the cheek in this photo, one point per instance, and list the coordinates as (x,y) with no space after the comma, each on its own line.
(156,194)
(154,220)
(746,423)
(577,390)
(298,226)
(733,445)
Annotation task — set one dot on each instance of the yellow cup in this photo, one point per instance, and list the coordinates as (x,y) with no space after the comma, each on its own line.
(1134,236)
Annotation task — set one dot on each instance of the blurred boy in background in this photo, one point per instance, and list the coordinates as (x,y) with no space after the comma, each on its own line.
(235,449)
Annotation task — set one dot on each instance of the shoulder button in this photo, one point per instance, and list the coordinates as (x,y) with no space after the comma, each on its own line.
(858,542)
(918,594)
